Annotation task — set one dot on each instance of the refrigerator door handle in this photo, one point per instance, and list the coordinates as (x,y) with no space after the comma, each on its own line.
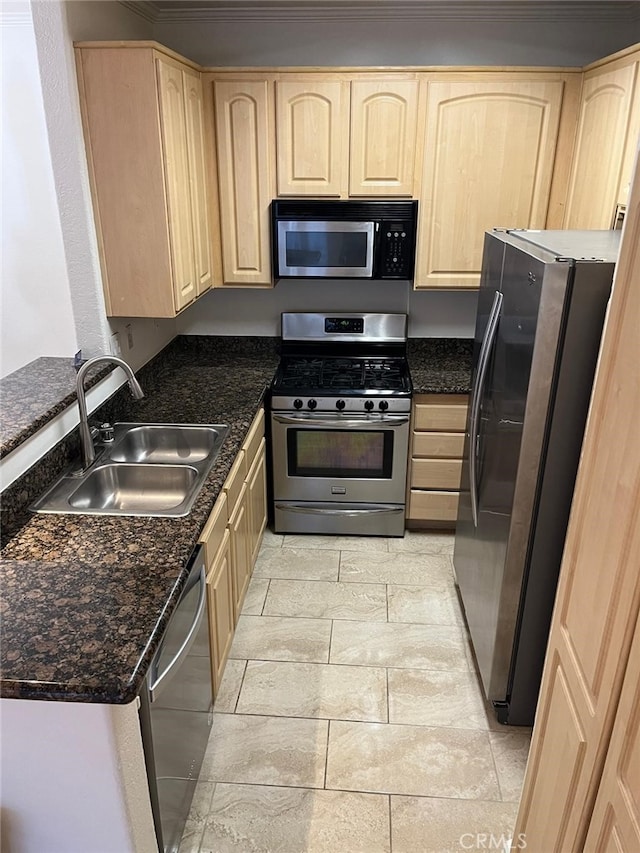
(476,397)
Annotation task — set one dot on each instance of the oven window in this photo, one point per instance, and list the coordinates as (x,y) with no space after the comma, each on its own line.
(326,249)
(340,453)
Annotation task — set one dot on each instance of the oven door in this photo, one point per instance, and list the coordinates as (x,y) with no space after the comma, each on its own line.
(324,249)
(347,459)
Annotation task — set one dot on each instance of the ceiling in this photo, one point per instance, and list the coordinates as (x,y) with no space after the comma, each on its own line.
(580,11)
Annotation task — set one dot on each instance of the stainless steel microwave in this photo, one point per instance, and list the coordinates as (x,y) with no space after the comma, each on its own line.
(344,239)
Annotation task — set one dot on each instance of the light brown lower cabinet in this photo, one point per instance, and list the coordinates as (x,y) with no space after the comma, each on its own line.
(231,538)
(439,422)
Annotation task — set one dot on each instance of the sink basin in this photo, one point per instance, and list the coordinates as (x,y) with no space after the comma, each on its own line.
(164,443)
(148,469)
(134,488)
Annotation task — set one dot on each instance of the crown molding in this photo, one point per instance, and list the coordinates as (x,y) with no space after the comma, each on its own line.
(233,11)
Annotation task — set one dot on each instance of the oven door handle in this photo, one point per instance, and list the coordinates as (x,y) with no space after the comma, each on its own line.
(322,511)
(383,420)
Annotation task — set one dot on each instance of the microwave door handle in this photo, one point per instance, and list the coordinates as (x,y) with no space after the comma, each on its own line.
(476,399)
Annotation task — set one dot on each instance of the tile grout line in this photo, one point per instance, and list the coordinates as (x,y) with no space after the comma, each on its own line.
(326,757)
(390,826)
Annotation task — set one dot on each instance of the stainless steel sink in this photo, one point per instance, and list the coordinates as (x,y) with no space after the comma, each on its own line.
(164,443)
(148,469)
(126,488)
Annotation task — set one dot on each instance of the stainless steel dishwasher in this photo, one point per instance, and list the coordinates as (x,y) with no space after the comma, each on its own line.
(176,709)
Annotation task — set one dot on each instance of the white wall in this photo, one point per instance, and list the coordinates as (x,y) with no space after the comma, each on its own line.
(234,311)
(73,779)
(37,317)
(52,299)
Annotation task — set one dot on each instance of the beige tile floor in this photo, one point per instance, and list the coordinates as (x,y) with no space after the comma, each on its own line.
(349,718)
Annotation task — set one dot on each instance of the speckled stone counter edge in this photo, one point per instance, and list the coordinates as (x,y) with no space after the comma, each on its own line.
(33,395)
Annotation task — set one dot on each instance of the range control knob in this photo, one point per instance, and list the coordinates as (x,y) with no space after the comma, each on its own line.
(340,404)
(312,404)
(297,404)
(383,405)
(368,405)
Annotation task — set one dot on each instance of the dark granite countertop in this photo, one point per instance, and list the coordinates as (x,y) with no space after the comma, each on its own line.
(31,396)
(85,599)
(440,365)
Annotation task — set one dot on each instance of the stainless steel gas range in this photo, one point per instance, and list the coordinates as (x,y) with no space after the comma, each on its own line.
(340,410)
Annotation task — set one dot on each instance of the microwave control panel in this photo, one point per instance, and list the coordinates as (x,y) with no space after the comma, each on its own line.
(396,250)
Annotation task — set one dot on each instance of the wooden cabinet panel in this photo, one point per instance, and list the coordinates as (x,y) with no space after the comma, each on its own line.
(312,136)
(194,109)
(252,442)
(213,532)
(244,171)
(383,137)
(488,162)
(615,823)
(441,412)
(257,501)
(137,129)
(240,554)
(433,506)
(600,144)
(174,135)
(436,457)
(436,473)
(233,484)
(448,445)
(221,610)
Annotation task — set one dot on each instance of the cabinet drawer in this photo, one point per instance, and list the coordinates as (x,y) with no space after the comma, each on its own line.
(436,473)
(448,445)
(234,482)
(254,437)
(213,533)
(433,506)
(441,412)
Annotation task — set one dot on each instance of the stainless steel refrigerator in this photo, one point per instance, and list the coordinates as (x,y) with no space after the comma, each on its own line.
(541,308)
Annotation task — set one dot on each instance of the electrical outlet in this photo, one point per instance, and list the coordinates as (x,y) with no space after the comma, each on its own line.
(129,336)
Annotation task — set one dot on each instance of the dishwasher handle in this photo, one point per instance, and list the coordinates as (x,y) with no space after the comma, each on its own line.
(157,681)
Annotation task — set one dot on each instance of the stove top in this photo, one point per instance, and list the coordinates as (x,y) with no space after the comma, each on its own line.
(344,375)
(333,361)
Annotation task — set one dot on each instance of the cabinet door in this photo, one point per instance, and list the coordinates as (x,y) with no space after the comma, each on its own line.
(600,143)
(489,155)
(198,179)
(257,502)
(221,610)
(383,137)
(174,137)
(244,170)
(312,134)
(240,556)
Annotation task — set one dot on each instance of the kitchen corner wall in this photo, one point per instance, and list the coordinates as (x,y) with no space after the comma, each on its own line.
(252,311)
(52,295)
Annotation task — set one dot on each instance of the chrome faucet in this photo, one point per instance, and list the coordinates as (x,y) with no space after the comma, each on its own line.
(86,439)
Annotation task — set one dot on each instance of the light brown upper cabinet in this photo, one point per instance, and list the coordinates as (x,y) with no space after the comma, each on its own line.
(341,138)
(605,144)
(312,136)
(489,154)
(384,116)
(143,123)
(244,132)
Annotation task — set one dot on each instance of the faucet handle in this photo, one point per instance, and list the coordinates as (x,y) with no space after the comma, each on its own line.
(106,432)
